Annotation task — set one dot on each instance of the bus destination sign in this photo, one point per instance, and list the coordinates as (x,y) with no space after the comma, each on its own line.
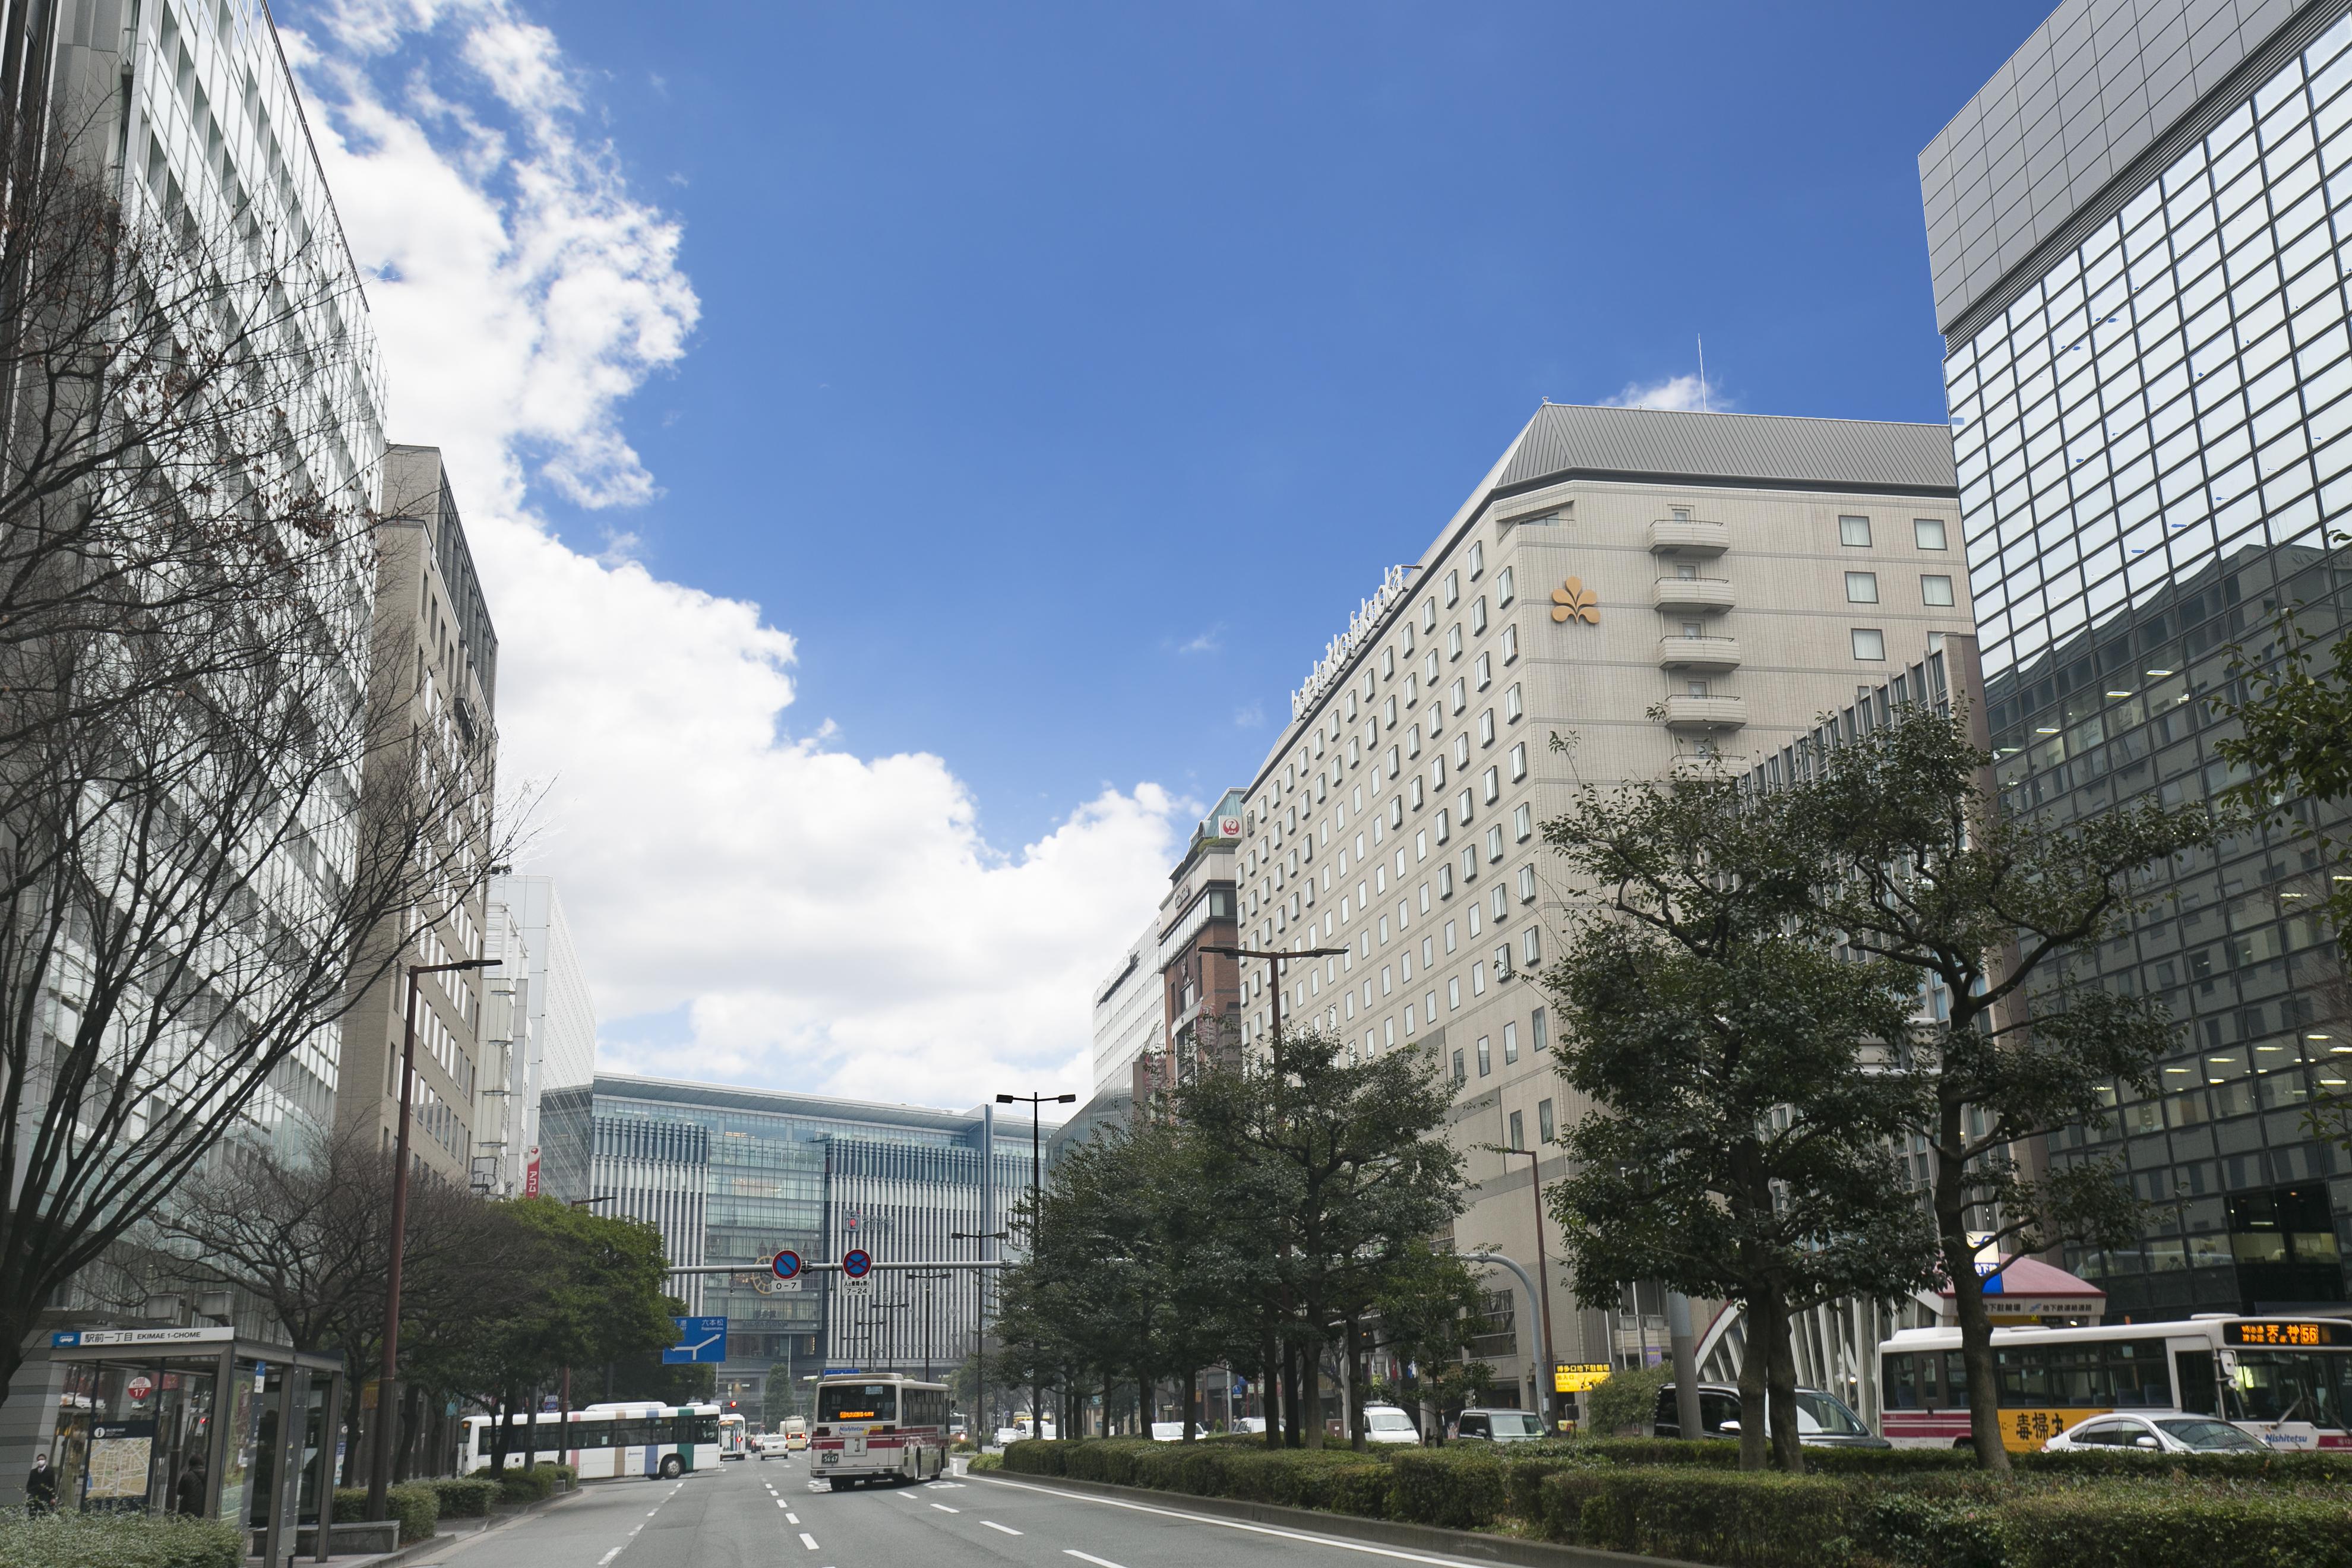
(2329,1331)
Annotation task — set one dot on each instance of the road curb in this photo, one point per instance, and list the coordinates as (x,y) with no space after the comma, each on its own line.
(1465,1543)
(416,1549)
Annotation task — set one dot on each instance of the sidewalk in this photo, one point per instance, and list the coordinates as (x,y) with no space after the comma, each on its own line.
(454,1532)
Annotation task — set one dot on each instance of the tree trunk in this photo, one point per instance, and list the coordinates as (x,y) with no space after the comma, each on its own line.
(504,1441)
(1352,1347)
(1780,1392)
(1191,1385)
(1976,1342)
(1753,1374)
(530,1428)
(1269,1374)
(1293,1429)
(1310,1391)
(355,1430)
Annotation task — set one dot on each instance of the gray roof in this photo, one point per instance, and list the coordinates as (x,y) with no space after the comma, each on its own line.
(2098,85)
(1565,440)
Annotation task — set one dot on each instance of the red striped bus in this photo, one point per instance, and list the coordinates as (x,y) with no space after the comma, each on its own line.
(879,1428)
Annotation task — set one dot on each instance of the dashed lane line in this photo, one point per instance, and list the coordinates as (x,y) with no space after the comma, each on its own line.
(1006,1528)
(608,1557)
(945,1508)
(808,1540)
(1090,1557)
(791,1519)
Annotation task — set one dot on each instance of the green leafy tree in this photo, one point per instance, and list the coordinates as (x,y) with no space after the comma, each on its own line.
(1347,1159)
(1991,910)
(1739,1142)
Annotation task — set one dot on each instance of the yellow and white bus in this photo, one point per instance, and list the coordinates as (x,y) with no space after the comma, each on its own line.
(603,1441)
(878,1427)
(2286,1380)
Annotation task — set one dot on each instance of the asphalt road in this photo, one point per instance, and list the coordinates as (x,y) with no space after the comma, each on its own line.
(770,1513)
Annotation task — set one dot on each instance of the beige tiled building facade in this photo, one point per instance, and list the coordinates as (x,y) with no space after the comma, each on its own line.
(1646,584)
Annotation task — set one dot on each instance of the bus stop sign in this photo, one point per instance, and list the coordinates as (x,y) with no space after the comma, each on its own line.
(786,1263)
(856,1262)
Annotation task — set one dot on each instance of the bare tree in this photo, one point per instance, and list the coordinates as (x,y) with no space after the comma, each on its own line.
(188,706)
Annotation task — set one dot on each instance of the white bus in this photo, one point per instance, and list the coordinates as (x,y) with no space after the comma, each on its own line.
(878,1427)
(2286,1380)
(734,1437)
(605,1441)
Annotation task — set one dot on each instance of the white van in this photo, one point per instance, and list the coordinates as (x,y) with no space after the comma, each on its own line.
(1389,1424)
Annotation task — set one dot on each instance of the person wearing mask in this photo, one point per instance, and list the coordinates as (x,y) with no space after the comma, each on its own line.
(41,1487)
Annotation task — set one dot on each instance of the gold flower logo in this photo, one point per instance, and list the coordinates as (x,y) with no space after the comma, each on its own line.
(1573,601)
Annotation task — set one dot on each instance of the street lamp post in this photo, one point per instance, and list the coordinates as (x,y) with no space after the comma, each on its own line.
(1275,960)
(1036,1103)
(979,1322)
(1546,1387)
(380,1477)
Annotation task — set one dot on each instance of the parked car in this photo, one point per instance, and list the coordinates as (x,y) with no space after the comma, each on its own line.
(2154,1432)
(774,1443)
(1172,1431)
(1389,1424)
(1250,1423)
(1823,1421)
(1498,1425)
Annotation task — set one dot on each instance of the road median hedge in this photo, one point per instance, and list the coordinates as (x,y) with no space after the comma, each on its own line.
(1899,1508)
(117,1540)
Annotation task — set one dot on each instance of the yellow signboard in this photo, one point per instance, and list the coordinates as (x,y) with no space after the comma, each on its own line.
(1575,1378)
(2024,1431)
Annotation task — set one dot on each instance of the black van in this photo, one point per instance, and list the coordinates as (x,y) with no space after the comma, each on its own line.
(1823,1419)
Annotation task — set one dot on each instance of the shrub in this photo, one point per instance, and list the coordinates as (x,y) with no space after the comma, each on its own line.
(1625,1399)
(117,1541)
(464,1497)
(2293,1465)
(983,1463)
(1452,1488)
(1739,1520)
(412,1503)
(2122,1525)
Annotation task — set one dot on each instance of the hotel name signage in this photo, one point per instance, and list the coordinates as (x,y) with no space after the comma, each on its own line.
(1343,648)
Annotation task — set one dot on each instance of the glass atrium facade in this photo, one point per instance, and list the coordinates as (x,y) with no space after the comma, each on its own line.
(2154,440)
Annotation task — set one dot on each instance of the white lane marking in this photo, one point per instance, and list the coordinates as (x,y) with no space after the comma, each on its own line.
(782,1504)
(1089,1557)
(945,1508)
(808,1540)
(601,1562)
(1329,1541)
(993,1525)
(791,1519)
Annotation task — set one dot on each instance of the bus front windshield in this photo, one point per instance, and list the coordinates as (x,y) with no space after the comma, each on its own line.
(2291,1385)
(857,1402)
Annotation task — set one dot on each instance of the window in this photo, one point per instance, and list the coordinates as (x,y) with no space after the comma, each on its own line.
(1854,532)
(1503,962)
(1454,640)
(1503,588)
(1449,936)
(1527,884)
(1429,667)
(1452,589)
(1445,881)
(1869,642)
(1531,946)
(1512,706)
(1493,781)
(1523,822)
(1429,615)
(1510,644)
(1388,668)
(1478,978)
(1495,843)
(1453,995)
(1544,1129)
(1478,557)
(1518,1127)
(1928,532)
(1519,760)
(1478,615)
(1485,1057)
(1458,694)
(1510,1043)
(1862,587)
(1484,670)
(1444,829)
(1537,1039)
(1486,728)
(1935,590)
(1459,1076)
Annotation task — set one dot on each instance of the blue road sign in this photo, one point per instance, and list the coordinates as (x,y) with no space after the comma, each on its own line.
(699,1340)
(786,1263)
(856,1262)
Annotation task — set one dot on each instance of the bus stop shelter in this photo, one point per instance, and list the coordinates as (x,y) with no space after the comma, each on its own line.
(198,1421)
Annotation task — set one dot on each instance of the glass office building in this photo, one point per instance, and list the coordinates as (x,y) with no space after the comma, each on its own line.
(731,1175)
(2138,232)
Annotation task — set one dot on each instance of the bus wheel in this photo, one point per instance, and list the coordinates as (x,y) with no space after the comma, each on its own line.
(673,1467)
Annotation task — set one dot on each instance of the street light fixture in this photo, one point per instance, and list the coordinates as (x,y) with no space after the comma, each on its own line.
(1276,959)
(1547,1386)
(1037,1390)
(386,1424)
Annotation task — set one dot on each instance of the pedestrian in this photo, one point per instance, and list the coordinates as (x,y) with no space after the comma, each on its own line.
(188,1492)
(41,1487)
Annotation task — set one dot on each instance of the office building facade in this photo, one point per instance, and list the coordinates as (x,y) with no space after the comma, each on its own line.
(731,1174)
(1200,989)
(562,1013)
(1652,586)
(437,653)
(1130,1017)
(2137,231)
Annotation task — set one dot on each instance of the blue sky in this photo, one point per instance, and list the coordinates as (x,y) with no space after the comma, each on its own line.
(913,451)
(1068,373)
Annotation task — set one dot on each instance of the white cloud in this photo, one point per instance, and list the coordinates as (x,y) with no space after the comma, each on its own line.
(1677,391)
(809,918)
(1250,716)
(1208,640)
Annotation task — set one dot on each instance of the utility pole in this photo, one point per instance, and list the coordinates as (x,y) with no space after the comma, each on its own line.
(1547,1385)
(1036,1182)
(387,1421)
(1275,960)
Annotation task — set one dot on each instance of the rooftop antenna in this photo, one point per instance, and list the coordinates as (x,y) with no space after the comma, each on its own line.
(1702,371)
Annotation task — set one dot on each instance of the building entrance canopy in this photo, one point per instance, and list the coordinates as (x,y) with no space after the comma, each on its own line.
(195,1421)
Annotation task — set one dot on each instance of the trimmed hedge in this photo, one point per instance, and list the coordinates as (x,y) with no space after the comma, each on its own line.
(2114,1527)
(2296,1466)
(464,1497)
(1738,1519)
(117,1541)
(412,1503)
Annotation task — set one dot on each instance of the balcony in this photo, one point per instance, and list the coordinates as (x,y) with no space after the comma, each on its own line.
(1699,653)
(1704,594)
(1706,712)
(1678,536)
